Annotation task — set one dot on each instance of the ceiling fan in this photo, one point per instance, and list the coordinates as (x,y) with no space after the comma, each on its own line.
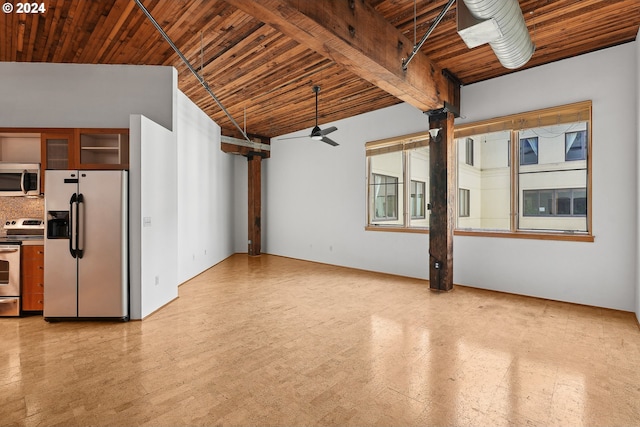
(318,134)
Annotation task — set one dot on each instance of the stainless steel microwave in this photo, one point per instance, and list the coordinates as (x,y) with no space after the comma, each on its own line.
(19,179)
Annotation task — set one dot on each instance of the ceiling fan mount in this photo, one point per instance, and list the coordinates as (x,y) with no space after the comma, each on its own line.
(318,134)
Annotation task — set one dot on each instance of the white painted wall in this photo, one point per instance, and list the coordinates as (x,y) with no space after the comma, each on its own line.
(637,83)
(205,197)
(153,232)
(316,198)
(83,95)
(316,209)
(600,273)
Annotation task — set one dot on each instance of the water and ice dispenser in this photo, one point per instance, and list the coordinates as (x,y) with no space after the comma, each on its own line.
(57,224)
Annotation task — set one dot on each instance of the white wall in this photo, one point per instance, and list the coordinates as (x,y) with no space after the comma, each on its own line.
(153,217)
(83,95)
(205,192)
(316,198)
(601,273)
(317,207)
(637,83)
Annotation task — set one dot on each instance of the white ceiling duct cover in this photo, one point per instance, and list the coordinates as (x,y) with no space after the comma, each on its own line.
(475,32)
(514,47)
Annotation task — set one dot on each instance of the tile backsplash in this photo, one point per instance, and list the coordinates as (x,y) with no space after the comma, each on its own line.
(20,207)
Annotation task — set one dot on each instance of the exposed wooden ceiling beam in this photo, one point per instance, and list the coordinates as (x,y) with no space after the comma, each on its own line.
(352,34)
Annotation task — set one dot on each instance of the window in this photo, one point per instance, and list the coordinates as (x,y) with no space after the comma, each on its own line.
(531,174)
(464,199)
(398,182)
(575,144)
(490,182)
(417,199)
(553,179)
(386,197)
(529,151)
(468,158)
(418,172)
(558,202)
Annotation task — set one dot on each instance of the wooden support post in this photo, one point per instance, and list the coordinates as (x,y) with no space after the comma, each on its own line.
(442,200)
(255,202)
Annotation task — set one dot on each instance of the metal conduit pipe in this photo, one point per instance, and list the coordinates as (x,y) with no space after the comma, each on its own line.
(515,47)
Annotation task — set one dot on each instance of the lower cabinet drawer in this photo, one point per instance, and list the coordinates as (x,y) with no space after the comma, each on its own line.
(9,306)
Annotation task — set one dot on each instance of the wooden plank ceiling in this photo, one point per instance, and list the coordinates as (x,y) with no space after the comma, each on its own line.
(263,77)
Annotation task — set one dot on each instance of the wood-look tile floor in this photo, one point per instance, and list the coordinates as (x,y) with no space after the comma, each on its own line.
(272,341)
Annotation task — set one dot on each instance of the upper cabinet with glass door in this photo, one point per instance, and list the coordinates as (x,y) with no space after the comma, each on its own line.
(57,150)
(102,148)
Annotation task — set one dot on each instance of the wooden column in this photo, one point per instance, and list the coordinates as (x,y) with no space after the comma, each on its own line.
(442,200)
(255,202)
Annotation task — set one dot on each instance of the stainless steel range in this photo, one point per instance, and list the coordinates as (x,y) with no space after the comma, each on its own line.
(17,231)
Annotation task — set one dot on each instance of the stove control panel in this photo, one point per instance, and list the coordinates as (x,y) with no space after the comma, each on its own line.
(24,223)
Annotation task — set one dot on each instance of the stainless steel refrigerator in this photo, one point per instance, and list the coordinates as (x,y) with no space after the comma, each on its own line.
(86,245)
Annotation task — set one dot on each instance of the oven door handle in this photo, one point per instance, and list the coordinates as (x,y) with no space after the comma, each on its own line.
(7,251)
(8,300)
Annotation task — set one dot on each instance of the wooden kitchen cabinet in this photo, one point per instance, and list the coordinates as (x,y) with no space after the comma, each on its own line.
(57,150)
(85,149)
(102,148)
(32,265)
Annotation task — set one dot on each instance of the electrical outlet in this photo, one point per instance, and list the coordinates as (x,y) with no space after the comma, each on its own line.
(437,265)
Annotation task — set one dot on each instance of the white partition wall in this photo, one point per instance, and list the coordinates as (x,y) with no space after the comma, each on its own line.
(637,74)
(153,216)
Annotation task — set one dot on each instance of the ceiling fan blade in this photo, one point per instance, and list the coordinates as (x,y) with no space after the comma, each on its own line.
(293,137)
(329,141)
(327,131)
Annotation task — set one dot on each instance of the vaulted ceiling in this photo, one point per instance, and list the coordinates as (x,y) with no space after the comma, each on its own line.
(263,77)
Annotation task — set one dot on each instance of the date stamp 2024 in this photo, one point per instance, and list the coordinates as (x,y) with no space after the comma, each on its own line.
(33,7)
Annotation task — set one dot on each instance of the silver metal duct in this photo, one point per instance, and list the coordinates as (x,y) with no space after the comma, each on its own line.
(515,47)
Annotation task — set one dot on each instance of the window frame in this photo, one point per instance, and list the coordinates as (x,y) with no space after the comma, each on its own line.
(577,112)
(403,144)
(570,113)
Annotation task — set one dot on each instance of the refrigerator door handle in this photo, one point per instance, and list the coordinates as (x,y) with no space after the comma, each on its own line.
(72,238)
(80,225)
